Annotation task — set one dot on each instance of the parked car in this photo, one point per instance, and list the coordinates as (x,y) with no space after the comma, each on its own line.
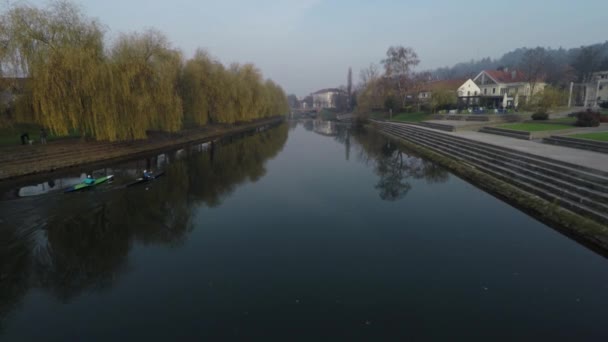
(479,110)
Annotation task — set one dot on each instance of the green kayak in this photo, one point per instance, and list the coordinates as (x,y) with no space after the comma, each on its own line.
(82,186)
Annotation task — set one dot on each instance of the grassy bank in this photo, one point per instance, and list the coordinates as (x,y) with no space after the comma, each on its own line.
(411,117)
(565,121)
(12,135)
(569,223)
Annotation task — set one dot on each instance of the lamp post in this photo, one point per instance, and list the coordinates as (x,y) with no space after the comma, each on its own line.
(570,97)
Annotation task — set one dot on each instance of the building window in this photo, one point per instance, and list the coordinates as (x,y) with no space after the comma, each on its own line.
(601,87)
(475,92)
(485,91)
(468,93)
(493,90)
(503,91)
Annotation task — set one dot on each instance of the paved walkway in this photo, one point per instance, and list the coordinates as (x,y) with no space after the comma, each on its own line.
(18,161)
(461,124)
(589,159)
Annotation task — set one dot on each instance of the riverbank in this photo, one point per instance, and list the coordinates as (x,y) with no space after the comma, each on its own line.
(22,161)
(530,199)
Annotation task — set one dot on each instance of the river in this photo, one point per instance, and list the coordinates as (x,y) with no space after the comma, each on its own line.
(302,232)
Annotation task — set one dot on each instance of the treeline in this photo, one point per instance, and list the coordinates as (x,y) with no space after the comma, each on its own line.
(561,66)
(118,91)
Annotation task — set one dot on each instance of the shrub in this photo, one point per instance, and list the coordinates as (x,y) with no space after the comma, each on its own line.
(588,119)
(540,116)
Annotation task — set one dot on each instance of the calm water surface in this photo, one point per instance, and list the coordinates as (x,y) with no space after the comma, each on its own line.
(301,232)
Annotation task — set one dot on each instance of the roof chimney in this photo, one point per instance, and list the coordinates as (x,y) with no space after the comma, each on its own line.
(513,74)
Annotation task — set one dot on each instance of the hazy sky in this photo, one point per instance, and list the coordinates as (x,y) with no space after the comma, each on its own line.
(306,45)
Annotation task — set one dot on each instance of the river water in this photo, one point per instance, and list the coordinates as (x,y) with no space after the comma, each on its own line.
(302,232)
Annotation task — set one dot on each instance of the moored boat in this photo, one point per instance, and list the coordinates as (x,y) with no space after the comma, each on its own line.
(145,180)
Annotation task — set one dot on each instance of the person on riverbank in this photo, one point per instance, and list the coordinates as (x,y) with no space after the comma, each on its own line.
(43,135)
(25,138)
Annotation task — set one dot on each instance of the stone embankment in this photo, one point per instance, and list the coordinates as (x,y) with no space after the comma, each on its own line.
(19,161)
(582,191)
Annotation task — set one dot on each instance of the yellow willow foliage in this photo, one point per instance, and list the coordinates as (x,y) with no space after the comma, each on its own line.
(145,73)
(276,103)
(222,96)
(65,90)
(138,84)
(196,86)
(216,94)
(248,95)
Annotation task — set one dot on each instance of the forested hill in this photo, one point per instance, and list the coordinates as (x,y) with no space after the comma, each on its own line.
(561,66)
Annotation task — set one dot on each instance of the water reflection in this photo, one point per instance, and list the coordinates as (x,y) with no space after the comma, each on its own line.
(310,244)
(393,166)
(69,244)
(328,128)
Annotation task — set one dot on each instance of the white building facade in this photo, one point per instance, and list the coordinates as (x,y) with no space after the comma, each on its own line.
(326,98)
(596,90)
(506,87)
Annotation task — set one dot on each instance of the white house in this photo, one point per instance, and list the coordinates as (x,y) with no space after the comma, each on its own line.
(325,98)
(596,90)
(506,87)
(468,92)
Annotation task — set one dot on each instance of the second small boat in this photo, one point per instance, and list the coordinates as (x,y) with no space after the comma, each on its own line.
(146,180)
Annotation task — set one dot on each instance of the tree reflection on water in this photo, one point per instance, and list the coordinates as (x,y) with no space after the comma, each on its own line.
(70,244)
(395,167)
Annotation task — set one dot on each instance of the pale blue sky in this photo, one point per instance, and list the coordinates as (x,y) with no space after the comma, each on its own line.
(306,45)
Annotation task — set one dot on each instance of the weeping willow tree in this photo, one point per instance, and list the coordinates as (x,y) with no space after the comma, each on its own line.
(214,93)
(139,83)
(62,53)
(144,84)
(196,85)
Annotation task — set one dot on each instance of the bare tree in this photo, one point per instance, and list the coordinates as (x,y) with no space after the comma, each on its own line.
(534,64)
(587,61)
(398,66)
(368,75)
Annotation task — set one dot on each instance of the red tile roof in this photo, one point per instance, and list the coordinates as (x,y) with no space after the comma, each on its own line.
(510,76)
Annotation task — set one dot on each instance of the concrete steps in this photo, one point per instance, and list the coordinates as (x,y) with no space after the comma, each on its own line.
(568,172)
(575,169)
(597,192)
(442,127)
(579,189)
(583,144)
(506,132)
